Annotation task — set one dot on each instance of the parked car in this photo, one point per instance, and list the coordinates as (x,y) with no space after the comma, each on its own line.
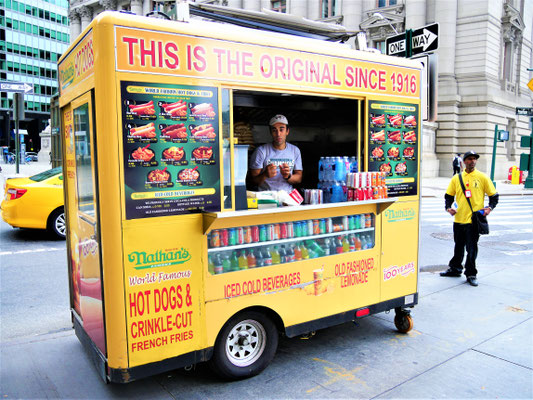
(36,202)
(31,156)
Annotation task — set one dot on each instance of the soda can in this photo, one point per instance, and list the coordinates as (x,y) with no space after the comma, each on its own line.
(375,192)
(369,193)
(345,222)
(263,233)
(215,238)
(297,229)
(386,191)
(356,179)
(329,225)
(283,230)
(290,230)
(307,196)
(255,234)
(322,225)
(276,232)
(350,195)
(316,227)
(223,237)
(232,236)
(351,222)
(248,234)
(240,235)
(362,178)
(309,231)
(373,179)
(368,220)
(320,196)
(270,232)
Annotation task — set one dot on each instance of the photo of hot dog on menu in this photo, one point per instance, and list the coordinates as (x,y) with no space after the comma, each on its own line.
(377,137)
(145,131)
(410,121)
(377,120)
(176,109)
(145,109)
(409,137)
(204,132)
(395,120)
(176,132)
(202,110)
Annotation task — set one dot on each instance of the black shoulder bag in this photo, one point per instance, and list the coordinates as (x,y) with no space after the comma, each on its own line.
(478,220)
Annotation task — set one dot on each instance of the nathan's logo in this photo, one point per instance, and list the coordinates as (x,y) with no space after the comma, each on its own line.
(160,258)
(66,75)
(404,214)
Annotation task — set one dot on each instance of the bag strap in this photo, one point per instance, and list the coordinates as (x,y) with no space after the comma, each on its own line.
(464,190)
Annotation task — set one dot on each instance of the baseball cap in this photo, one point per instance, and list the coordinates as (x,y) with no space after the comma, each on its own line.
(470,153)
(278,119)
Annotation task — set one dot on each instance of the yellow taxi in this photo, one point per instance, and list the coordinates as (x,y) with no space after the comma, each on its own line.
(36,202)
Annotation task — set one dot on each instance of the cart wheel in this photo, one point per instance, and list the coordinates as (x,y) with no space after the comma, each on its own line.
(57,223)
(245,346)
(403,322)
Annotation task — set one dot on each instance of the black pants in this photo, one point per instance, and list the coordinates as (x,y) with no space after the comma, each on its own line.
(464,235)
(456,170)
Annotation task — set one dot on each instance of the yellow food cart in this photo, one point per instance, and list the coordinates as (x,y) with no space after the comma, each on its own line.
(167,267)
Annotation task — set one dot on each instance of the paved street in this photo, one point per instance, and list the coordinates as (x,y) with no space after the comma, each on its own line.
(467,342)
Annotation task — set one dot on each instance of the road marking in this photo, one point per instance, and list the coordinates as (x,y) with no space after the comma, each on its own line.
(518,252)
(9,253)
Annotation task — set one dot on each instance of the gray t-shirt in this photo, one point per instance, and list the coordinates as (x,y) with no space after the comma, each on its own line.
(267,154)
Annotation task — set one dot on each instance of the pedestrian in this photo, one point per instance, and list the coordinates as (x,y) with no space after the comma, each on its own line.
(457,164)
(465,234)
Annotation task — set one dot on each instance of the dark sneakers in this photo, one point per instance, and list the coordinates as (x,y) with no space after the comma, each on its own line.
(451,272)
(472,280)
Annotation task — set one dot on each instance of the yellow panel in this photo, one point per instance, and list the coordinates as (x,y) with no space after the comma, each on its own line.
(164,296)
(399,260)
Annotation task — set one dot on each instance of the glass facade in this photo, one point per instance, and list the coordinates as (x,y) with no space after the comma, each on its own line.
(33,35)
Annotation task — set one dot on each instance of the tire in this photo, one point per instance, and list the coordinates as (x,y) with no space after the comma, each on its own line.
(245,346)
(403,322)
(57,223)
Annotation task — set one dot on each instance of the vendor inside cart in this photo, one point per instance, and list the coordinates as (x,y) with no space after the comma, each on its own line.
(277,165)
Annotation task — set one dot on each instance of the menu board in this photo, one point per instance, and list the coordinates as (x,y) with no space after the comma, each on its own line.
(393,145)
(171,149)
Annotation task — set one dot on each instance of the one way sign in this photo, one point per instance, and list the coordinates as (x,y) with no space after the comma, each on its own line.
(422,40)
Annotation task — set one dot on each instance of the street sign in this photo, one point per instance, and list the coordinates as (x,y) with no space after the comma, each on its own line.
(530,85)
(527,111)
(16,87)
(423,40)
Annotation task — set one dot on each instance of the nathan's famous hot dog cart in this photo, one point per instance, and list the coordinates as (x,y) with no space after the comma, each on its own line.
(165,270)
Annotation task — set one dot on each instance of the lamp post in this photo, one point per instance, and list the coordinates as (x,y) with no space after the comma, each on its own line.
(380,16)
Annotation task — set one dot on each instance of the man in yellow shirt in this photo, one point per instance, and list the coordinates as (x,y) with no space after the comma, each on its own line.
(465,234)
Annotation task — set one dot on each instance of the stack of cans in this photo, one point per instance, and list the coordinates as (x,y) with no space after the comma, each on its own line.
(313,196)
(366,186)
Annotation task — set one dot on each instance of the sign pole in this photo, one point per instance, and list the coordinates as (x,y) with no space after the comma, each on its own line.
(494,155)
(528,184)
(17,103)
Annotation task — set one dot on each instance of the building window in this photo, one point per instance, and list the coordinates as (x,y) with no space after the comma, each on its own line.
(330,8)
(280,6)
(508,61)
(385,3)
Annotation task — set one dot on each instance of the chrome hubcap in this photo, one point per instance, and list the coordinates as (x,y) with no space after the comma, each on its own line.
(245,343)
(60,224)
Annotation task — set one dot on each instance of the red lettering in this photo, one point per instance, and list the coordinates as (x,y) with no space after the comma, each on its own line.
(247,63)
(265,64)
(131,52)
(145,52)
(170,51)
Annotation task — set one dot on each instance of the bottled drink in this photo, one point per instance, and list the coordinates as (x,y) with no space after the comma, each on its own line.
(251,259)
(210,264)
(290,254)
(217,261)
(347,169)
(351,241)
(326,247)
(314,249)
(243,261)
(337,194)
(234,261)
(328,170)
(353,165)
(338,245)
(283,255)
(345,244)
(226,263)
(267,257)
(340,169)
(259,262)
(297,253)
(276,258)
(305,252)
(357,242)
(321,169)
(332,247)
(262,233)
(363,242)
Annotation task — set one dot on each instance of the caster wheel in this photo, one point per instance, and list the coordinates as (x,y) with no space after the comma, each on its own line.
(403,322)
